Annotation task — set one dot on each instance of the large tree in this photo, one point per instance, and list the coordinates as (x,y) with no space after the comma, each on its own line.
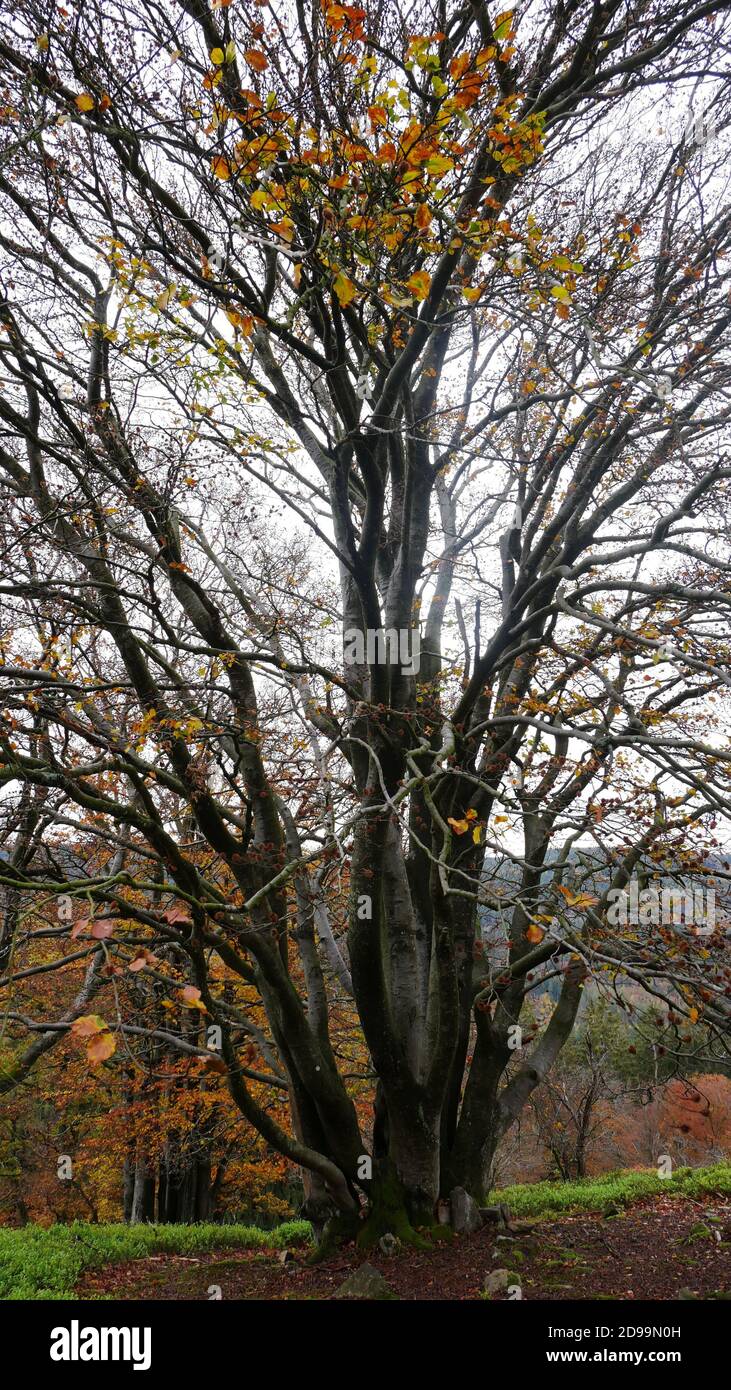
(369,277)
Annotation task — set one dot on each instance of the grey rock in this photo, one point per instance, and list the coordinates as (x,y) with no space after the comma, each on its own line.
(496,1216)
(365,1282)
(389,1244)
(497,1281)
(465,1212)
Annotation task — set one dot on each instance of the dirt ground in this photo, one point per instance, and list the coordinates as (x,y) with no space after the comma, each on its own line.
(653,1250)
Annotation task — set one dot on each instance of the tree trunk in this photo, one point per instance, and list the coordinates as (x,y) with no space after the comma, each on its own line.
(143,1195)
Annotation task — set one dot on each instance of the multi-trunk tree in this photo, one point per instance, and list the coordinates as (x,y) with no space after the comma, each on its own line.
(368,277)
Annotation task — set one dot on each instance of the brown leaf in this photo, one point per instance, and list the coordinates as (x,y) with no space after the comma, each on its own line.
(88,1025)
(102,929)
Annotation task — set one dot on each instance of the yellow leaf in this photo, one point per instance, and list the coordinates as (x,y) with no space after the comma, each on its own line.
(535,933)
(217,56)
(503,24)
(85,101)
(163,299)
(560,293)
(220,167)
(344,288)
(477,834)
(472,293)
(460,827)
(438,164)
(577,899)
(419,283)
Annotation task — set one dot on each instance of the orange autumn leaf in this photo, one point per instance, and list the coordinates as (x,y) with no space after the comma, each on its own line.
(377,115)
(256,60)
(220,167)
(459,66)
(423,217)
(460,827)
(101,1048)
(419,284)
(88,1025)
(535,934)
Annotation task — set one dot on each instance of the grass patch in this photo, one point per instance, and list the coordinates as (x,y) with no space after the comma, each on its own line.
(38,1263)
(593,1194)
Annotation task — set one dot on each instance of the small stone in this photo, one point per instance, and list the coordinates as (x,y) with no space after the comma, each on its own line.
(365,1282)
(465,1212)
(389,1244)
(497,1281)
(496,1216)
(285,1257)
